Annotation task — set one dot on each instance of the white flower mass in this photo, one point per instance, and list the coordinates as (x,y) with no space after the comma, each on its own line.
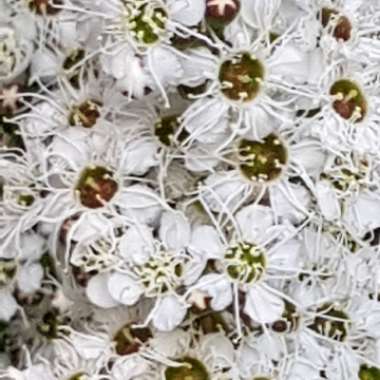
(189,189)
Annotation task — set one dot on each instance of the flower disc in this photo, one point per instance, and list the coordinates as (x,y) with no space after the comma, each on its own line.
(192,370)
(241,77)
(262,160)
(96,186)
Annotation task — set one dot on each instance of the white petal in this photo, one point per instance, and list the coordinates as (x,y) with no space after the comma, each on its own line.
(141,204)
(29,277)
(166,65)
(188,13)
(286,255)
(310,156)
(223,191)
(259,14)
(124,289)
(292,208)
(97,292)
(136,245)
(206,119)
(8,305)
(139,156)
(88,346)
(174,230)
(218,288)
(169,314)
(205,241)
(33,246)
(328,201)
(254,222)
(262,306)
(363,213)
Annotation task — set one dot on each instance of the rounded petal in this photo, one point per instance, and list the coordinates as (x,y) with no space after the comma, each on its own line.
(136,245)
(205,241)
(124,289)
(169,313)
(188,13)
(174,230)
(29,277)
(8,305)
(263,306)
(218,288)
(97,292)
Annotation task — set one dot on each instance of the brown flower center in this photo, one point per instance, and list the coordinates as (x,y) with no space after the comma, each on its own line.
(348,100)
(96,186)
(241,77)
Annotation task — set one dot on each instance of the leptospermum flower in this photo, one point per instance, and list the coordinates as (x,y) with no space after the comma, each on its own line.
(256,167)
(15,53)
(242,80)
(348,29)
(82,182)
(140,32)
(154,269)
(248,260)
(347,113)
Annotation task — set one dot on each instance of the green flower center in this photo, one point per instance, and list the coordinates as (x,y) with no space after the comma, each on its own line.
(8,270)
(165,130)
(192,369)
(96,186)
(369,373)
(44,7)
(79,376)
(245,262)
(128,340)
(262,161)
(49,326)
(348,100)
(350,177)
(161,273)
(145,21)
(289,321)
(241,77)
(86,114)
(25,200)
(8,46)
(340,25)
(331,322)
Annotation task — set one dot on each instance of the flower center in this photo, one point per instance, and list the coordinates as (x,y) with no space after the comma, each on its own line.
(145,21)
(262,161)
(161,273)
(8,269)
(86,114)
(96,186)
(241,77)
(192,369)
(340,25)
(79,376)
(350,178)
(128,340)
(8,47)
(245,262)
(289,321)
(44,7)
(49,326)
(369,373)
(165,130)
(97,255)
(331,322)
(348,100)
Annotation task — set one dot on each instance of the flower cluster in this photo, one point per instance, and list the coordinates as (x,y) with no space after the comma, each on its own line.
(190,189)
